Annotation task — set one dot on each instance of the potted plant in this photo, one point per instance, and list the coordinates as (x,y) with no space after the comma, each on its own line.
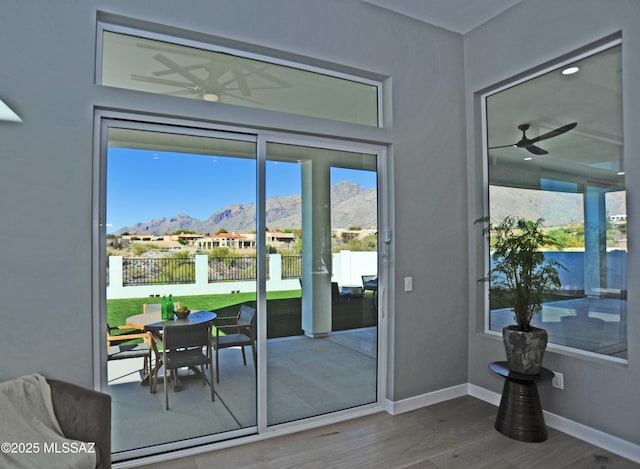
(520,275)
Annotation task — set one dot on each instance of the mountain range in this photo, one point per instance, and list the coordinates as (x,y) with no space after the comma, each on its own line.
(555,208)
(351,205)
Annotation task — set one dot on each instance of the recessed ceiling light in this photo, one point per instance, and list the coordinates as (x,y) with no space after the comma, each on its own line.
(570,70)
(7,114)
(528,158)
(621,173)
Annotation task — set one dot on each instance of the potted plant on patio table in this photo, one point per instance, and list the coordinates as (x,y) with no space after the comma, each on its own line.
(520,275)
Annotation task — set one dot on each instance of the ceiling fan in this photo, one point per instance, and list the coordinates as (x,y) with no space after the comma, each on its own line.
(529,143)
(211,76)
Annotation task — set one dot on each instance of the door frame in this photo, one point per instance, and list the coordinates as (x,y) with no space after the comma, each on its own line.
(103,119)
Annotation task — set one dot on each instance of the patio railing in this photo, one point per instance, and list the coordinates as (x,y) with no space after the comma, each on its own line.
(291,266)
(151,271)
(141,277)
(158,271)
(232,268)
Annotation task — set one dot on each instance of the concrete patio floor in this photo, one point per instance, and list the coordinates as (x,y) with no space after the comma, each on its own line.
(594,324)
(306,377)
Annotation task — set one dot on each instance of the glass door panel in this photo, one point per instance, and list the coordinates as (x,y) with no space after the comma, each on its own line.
(322,225)
(180,218)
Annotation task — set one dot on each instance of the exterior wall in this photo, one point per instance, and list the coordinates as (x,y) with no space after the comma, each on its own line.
(598,393)
(348,268)
(573,278)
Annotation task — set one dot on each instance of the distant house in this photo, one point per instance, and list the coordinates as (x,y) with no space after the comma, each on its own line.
(226,240)
(186,238)
(346,235)
(141,237)
(279,240)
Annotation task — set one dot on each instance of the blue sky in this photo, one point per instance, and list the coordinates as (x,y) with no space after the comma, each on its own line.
(144,184)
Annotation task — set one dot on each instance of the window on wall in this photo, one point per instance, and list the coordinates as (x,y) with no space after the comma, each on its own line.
(138,63)
(554,149)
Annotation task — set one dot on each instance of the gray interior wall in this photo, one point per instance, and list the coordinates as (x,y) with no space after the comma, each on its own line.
(597,393)
(47,76)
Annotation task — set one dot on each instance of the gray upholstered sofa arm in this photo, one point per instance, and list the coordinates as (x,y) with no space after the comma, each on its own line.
(84,415)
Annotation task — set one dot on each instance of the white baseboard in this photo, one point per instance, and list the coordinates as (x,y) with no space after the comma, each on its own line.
(424,400)
(484,394)
(598,438)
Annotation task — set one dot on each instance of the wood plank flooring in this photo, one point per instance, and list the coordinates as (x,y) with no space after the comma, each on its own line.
(455,434)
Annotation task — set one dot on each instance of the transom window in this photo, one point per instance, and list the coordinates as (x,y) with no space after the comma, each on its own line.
(133,62)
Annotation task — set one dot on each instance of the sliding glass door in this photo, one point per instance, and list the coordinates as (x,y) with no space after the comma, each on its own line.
(285,231)
(321,339)
(180,221)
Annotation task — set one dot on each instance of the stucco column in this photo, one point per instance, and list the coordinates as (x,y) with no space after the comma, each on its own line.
(316,248)
(595,242)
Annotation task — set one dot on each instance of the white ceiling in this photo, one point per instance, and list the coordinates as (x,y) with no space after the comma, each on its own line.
(460,16)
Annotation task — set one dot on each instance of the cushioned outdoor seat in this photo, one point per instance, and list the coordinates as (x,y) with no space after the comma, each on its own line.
(240,332)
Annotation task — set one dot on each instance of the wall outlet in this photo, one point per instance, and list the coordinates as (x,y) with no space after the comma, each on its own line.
(408,284)
(558,380)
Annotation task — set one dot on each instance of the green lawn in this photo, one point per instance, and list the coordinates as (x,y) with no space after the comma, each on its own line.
(119,310)
(284,317)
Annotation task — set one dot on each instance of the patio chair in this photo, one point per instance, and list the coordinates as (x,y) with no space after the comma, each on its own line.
(119,349)
(185,346)
(370,282)
(239,333)
(338,296)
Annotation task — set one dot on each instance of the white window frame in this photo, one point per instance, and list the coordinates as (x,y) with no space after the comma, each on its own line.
(105,118)
(103,26)
(485,189)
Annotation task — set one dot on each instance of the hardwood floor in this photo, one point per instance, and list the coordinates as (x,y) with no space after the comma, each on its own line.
(455,434)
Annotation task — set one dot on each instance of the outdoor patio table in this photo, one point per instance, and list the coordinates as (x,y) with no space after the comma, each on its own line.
(153,323)
(153,320)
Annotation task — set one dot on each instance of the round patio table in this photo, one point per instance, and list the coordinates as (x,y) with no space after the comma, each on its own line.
(153,323)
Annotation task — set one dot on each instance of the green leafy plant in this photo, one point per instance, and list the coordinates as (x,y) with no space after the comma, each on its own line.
(521,273)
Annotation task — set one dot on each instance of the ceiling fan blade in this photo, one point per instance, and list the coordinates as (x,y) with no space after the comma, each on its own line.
(180,70)
(241,80)
(161,73)
(241,98)
(536,150)
(161,81)
(261,71)
(554,133)
(502,146)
